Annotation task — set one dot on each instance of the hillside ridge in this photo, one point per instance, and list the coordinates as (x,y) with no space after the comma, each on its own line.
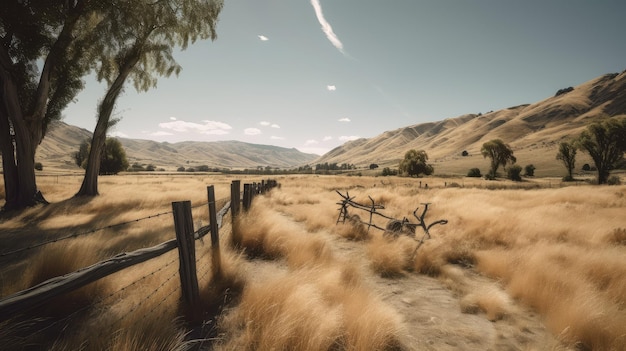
(530,129)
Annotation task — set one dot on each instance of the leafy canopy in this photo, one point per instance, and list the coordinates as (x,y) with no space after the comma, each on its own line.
(605,142)
(499,153)
(414,163)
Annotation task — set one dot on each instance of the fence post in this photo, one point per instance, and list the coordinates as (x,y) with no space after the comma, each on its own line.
(215,238)
(247,196)
(235,198)
(183,224)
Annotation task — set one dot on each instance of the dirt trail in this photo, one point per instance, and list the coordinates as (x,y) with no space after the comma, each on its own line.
(431,310)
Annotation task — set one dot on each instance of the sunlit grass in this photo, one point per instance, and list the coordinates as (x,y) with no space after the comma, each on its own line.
(558,251)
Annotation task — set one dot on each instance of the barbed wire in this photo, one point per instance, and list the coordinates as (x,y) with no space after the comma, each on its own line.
(140,303)
(105,298)
(80,234)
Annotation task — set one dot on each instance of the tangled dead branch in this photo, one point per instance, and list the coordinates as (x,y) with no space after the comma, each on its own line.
(395,227)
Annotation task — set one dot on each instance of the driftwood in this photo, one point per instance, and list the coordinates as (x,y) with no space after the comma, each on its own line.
(395,227)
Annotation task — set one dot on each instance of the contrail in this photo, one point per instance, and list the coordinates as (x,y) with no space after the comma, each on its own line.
(326,27)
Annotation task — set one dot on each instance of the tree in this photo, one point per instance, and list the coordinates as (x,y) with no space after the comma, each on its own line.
(41,65)
(529,170)
(499,153)
(113,158)
(136,41)
(605,142)
(81,155)
(414,163)
(474,172)
(567,155)
(514,173)
(373,166)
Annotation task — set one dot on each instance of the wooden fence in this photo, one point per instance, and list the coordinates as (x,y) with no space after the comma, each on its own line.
(38,295)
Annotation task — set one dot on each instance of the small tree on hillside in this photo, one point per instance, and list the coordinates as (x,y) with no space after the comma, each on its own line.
(113,158)
(567,155)
(81,155)
(414,163)
(529,170)
(605,142)
(499,153)
(514,173)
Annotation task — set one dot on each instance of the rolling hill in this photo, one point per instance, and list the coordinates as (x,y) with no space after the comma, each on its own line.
(63,140)
(532,130)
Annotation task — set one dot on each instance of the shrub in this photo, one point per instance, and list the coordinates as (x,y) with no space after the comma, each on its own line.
(389,172)
(464,153)
(38,166)
(180,169)
(586,167)
(614,180)
(150,168)
(529,170)
(514,173)
(190,169)
(373,166)
(203,168)
(474,172)
(568,178)
(563,91)
(136,167)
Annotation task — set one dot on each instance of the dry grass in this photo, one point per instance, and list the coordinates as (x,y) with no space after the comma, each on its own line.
(557,251)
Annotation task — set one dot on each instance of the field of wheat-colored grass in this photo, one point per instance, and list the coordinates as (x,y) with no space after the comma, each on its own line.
(286,284)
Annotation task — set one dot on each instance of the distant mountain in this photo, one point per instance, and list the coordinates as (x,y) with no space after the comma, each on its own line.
(62,140)
(532,130)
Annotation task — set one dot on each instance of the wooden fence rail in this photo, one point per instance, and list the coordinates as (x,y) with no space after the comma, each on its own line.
(38,295)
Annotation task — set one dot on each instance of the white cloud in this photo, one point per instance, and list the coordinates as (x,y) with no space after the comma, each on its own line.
(265,123)
(327,138)
(326,27)
(172,118)
(206,127)
(263,37)
(117,134)
(275,126)
(345,119)
(252,131)
(276,138)
(348,138)
(161,133)
(331,88)
(311,142)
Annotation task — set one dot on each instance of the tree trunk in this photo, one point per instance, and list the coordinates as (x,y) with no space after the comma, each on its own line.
(89,186)
(18,150)
(18,160)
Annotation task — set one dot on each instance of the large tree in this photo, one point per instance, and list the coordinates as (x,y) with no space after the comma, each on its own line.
(136,41)
(41,65)
(605,142)
(499,153)
(414,163)
(567,155)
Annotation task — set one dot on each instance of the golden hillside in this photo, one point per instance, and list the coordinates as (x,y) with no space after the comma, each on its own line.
(533,131)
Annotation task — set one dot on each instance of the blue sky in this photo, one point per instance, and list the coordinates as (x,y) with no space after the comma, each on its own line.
(312,74)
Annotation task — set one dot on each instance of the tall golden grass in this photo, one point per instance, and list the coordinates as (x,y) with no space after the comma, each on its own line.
(317,303)
(559,251)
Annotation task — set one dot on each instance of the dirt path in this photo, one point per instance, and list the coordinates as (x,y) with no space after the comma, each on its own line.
(431,311)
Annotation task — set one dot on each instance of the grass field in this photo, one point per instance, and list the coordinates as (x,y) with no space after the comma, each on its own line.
(519,266)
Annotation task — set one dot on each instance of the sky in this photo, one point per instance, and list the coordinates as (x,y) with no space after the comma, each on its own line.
(313,74)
